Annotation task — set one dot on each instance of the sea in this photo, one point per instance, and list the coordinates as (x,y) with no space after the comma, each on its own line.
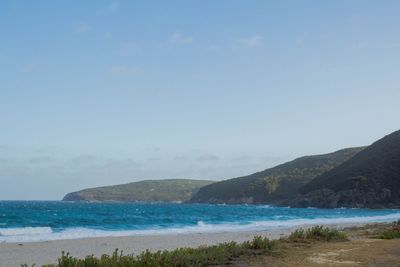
(33,221)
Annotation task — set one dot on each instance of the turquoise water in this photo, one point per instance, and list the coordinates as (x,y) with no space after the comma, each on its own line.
(50,220)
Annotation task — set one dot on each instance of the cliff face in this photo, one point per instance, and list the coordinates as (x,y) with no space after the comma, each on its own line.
(370,179)
(273,185)
(171,190)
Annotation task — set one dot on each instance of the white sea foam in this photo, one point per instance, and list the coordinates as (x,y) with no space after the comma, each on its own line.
(265,207)
(24,231)
(34,234)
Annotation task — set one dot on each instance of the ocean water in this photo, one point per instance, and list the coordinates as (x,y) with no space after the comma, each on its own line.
(23,221)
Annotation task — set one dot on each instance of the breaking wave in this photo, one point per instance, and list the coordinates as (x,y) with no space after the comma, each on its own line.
(35,234)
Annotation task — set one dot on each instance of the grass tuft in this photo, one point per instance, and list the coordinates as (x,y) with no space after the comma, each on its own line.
(219,254)
(318,233)
(393,232)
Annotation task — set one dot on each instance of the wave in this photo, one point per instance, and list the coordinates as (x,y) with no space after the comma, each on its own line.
(24,231)
(35,234)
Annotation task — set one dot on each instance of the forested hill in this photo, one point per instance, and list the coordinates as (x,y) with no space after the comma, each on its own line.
(369,179)
(171,190)
(275,184)
(353,177)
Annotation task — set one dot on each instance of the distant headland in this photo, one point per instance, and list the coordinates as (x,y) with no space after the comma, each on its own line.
(359,177)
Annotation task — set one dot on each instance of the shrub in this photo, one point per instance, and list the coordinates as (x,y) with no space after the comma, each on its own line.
(183,257)
(220,254)
(297,234)
(260,243)
(393,232)
(318,233)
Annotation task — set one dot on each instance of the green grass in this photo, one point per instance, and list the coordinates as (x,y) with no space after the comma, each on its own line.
(222,253)
(392,232)
(318,233)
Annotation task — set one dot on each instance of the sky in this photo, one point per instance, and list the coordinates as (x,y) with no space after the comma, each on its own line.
(102,92)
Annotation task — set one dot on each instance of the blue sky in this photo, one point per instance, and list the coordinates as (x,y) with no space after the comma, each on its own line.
(104,92)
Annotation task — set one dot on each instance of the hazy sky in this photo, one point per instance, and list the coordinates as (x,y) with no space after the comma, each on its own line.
(104,92)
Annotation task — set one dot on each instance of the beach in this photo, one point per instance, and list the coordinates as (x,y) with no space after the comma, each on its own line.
(84,229)
(15,254)
(46,252)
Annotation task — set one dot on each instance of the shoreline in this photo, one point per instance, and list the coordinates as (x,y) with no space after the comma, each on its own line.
(46,234)
(47,252)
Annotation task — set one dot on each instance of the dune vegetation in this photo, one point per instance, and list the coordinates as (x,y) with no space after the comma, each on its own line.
(220,254)
(202,256)
(318,233)
(392,232)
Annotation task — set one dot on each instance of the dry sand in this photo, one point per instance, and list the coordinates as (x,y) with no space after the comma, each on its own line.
(15,254)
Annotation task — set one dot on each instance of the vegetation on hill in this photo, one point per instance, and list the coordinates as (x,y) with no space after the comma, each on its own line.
(275,184)
(352,177)
(172,190)
(369,179)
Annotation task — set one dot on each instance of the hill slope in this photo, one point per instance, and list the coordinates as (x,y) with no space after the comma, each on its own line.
(369,179)
(172,190)
(275,184)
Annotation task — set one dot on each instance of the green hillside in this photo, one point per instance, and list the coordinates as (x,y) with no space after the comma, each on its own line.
(172,190)
(275,184)
(369,179)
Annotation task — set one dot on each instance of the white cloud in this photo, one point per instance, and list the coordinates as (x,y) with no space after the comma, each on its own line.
(83,28)
(252,41)
(179,38)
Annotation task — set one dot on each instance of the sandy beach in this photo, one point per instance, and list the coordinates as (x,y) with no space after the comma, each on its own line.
(14,254)
(46,252)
